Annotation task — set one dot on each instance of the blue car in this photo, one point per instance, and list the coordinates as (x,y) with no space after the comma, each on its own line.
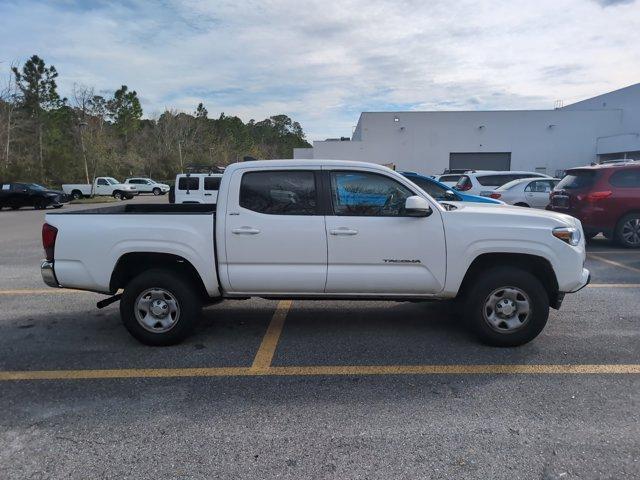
(440,191)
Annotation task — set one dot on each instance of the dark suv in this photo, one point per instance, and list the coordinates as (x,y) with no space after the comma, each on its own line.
(605,198)
(16,195)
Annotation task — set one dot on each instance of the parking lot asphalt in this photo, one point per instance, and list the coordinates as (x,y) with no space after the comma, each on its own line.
(310,389)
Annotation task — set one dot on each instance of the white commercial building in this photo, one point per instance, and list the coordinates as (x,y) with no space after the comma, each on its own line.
(600,128)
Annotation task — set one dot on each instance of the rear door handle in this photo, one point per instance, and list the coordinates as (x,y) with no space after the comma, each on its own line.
(343,231)
(245,231)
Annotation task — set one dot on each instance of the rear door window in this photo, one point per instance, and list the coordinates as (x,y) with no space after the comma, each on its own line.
(540,186)
(188,183)
(494,180)
(212,183)
(279,192)
(577,179)
(626,179)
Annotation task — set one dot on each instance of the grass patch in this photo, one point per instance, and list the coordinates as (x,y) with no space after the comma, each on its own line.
(96,199)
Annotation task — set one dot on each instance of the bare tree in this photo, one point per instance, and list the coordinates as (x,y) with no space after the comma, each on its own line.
(82,96)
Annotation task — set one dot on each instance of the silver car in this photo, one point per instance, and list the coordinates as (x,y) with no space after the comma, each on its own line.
(525,192)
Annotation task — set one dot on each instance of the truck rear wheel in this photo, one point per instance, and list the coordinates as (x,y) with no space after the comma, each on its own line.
(506,307)
(76,194)
(160,307)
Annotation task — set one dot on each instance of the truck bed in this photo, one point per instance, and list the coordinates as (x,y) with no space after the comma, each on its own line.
(149,209)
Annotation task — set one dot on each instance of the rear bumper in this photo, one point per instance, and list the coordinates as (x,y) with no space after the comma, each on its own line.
(48,274)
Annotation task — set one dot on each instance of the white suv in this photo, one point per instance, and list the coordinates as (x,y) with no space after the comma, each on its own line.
(477,182)
(197,188)
(146,185)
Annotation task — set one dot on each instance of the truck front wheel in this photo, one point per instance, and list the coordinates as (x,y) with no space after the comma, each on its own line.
(160,307)
(506,306)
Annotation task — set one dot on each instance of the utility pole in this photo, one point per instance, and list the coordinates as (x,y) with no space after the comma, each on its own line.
(82,126)
(211,153)
(180,154)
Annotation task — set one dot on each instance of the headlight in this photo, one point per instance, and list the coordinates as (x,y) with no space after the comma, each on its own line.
(570,235)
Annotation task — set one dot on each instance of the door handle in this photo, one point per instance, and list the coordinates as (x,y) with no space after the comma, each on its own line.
(245,231)
(343,231)
(207,194)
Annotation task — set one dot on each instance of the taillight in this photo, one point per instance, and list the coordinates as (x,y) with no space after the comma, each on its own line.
(49,234)
(495,195)
(599,195)
(595,196)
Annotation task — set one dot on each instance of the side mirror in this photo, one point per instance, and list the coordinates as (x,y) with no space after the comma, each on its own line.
(416,206)
(450,195)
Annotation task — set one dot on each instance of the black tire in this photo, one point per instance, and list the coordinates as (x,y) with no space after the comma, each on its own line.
(117,195)
(157,191)
(181,288)
(492,280)
(76,194)
(57,206)
(521,204)
(628,231)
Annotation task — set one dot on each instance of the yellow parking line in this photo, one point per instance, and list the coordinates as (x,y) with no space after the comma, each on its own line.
(263,358)
(615,264)
(614,285)
(353,370)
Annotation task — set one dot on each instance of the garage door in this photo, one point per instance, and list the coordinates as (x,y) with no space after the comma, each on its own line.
(480,161)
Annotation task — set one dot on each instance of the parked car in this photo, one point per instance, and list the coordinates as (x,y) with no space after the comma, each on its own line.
(15,195)
(526,192)
(605,198)
(147,185)
(442,192)
(196,188)
(318,229)
(102,186)
(475,183)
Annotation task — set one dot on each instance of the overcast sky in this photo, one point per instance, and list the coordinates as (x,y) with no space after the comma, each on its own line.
(324,62)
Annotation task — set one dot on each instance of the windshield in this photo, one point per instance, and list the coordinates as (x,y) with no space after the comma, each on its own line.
(509,185)
(577,179)
(111,180)
(35,186)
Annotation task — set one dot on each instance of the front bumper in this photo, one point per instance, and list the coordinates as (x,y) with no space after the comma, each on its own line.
(49,274)
(586,279)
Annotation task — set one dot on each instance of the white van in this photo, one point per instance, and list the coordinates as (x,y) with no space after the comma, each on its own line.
(197,187)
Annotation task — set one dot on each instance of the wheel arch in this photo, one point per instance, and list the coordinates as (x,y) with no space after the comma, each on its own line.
(133,264)
(540,267)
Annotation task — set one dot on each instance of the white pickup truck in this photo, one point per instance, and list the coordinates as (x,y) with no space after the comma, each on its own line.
(318,229)
(108,186)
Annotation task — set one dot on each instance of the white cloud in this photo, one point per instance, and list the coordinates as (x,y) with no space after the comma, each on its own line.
(324,62)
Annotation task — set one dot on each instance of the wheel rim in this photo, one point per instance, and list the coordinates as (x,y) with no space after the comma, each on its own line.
(507,309)
(156,191)
(631,231)
(157,310)
(117,195)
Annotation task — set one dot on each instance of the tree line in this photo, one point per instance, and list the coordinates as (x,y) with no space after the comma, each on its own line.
(49,139)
